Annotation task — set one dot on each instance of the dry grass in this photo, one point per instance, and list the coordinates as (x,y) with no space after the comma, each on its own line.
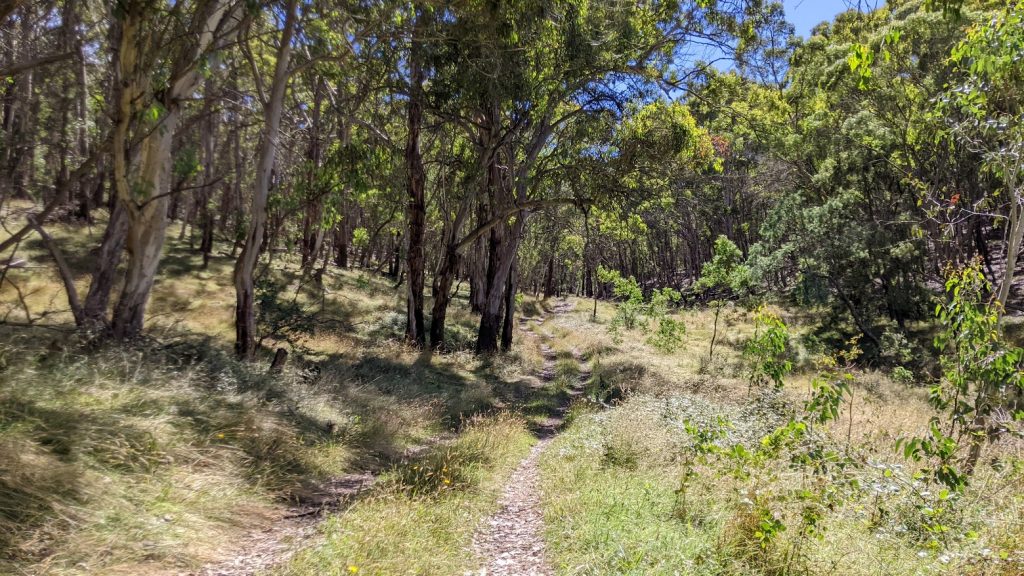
(161,458)
(612,504)
(423,513)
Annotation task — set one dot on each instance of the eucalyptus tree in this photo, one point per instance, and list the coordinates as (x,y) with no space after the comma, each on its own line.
(416,213)
(272,99)
(177,41)
(557,62)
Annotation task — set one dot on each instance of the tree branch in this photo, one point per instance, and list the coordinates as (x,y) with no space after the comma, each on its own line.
(509,212)
(19,67)
(65,271)
(56,201)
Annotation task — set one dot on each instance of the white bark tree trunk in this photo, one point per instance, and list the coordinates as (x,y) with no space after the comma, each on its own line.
(140,181)
(245,266)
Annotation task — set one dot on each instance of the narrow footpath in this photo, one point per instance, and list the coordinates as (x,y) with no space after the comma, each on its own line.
(511,542)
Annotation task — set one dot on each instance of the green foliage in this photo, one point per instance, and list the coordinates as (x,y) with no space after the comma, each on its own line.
(726,269)
(669,334)
(896,348)
(282,316)
(629,310)
(828,388)
(632,311)
(902,375)
(981,372)
(360,237)
(860,59)
(766,350)
(704,441)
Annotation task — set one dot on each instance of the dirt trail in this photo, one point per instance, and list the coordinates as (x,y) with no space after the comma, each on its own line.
(511,542)
(263,549)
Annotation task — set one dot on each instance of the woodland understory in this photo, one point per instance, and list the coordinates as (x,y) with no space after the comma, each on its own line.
(333,276)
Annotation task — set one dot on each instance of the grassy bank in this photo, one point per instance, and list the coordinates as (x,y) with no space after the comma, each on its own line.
(164,456)
(655,484)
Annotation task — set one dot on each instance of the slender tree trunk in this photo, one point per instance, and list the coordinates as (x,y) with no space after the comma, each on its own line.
(445,275)
(340,247)
(478,277)
(549,278)
(479,251)
(444,278)
(416,213)
(508,326)
(84,194)
(64,270)
(1015,237)
(502,255)
(245,267)
(104,273)
(208,135)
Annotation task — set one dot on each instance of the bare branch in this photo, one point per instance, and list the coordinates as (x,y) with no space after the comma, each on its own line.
(19,67)
(62,267)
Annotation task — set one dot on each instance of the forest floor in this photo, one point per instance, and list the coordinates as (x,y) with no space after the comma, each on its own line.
(511,541)
(580,452)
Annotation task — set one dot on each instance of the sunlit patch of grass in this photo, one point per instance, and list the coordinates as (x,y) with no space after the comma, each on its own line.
(421,517)
(609,500)
(611,479)
(126,461)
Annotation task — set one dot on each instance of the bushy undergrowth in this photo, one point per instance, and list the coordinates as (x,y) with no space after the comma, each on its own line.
(759,502)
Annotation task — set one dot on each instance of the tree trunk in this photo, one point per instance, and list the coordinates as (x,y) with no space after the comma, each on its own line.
(508,326)
(104,273)
(441,290)
(1015,237)
(147,221)
(414,330)
(146,227)
(549,279)
(503,252)
(84,190)
(245,267)
(208,135)
(340,247)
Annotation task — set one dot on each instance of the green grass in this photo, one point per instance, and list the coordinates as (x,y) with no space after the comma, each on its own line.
(422,516)
(612,502)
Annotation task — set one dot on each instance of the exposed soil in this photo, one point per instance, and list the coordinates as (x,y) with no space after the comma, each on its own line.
(511,542)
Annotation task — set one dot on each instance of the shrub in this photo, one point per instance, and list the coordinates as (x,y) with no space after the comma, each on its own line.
(981,372)
(766,350)
(633,312)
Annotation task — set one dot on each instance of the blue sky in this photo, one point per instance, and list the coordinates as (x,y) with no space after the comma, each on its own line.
(806,14)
